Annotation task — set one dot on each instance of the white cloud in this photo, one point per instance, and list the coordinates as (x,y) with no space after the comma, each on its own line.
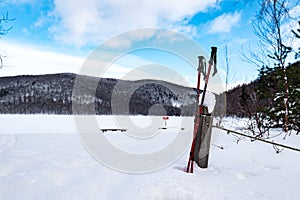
(92,21)
(293,25)
(295,12)
(286,28)
(33,60)
(119,42)
(30,60)
(125,40)
(224,23)
(241,41)
(27,60)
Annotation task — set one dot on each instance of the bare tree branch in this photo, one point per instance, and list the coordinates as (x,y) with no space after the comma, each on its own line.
(5,19)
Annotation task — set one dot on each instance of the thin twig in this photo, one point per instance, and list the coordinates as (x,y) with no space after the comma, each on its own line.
(258,139)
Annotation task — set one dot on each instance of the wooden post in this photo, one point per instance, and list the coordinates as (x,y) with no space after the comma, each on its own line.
(202,140)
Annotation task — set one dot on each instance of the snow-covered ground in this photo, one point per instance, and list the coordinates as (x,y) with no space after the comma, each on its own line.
(42,157)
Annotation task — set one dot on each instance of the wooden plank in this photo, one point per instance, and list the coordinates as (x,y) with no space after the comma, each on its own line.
(113,129)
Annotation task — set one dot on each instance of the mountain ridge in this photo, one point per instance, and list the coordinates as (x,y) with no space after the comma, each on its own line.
(53,94)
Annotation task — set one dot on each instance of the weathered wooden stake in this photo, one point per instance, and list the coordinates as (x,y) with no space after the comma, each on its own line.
(202,140)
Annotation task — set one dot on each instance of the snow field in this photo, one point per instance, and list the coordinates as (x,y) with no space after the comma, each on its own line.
(56,166)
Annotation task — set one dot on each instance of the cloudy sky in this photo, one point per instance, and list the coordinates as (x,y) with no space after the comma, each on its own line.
(52,36)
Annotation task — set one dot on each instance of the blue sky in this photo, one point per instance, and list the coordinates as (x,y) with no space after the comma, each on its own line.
(50,36)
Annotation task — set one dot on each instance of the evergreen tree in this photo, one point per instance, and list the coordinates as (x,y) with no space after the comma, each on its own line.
(244,98)
(270,91)
(293,73)
(276,46)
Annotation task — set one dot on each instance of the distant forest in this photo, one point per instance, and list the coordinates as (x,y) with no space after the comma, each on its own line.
(53,94)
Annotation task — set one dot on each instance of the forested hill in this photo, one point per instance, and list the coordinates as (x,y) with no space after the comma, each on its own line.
(52,94)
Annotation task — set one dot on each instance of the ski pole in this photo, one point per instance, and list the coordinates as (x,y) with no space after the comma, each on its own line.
(212,61)
(200,70)
(199,109)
